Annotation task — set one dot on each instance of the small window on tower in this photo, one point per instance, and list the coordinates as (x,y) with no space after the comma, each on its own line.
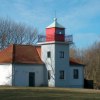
(60,32)
(61,74)
(48,54)
(61,54)
(49,74)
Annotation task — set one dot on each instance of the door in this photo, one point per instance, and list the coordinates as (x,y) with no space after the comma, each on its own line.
(31,79)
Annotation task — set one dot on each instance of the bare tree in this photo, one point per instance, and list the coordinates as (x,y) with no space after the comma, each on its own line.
(76,53)
(16,33)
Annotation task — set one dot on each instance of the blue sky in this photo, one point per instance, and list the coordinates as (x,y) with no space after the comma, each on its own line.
(80,17)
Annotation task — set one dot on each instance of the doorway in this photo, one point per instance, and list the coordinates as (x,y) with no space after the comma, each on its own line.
(31,78)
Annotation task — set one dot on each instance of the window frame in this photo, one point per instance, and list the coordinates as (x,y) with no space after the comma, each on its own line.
(60,32)
(75,73)
(61,54)
(48,54)
(61,76)
(49,74)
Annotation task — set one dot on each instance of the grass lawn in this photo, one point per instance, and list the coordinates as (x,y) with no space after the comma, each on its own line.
(42,93)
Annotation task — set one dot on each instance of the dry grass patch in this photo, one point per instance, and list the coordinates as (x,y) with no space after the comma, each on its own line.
(43,93)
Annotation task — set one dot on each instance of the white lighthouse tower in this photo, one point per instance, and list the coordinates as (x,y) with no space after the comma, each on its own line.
(55,55)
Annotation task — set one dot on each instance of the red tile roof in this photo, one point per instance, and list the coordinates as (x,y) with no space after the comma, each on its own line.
(74,61)
(20,54)
(26,54)
(6,55)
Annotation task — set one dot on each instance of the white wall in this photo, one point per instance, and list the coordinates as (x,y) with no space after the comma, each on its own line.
(76,83)
(21,74)
(62,64)
(49,62)
(6,74)
(55,63)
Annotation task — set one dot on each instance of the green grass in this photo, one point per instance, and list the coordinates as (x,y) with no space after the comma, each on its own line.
(42,93)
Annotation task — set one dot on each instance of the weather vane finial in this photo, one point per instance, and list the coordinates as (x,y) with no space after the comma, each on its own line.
(55,19)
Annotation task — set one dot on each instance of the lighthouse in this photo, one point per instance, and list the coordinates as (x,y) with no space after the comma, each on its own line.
(55,55)
(55,32)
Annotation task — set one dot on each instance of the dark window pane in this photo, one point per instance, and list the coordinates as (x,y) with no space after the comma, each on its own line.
(75,74)
(61,54)
(49,74)
(61,74)
(48,54)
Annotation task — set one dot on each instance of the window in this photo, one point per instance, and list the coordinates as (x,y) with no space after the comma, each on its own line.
(75,74)
(49,74)
(59,31)
(61,74)
(61,54)
(48,54)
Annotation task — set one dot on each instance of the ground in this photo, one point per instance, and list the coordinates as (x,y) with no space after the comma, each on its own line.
(42,93)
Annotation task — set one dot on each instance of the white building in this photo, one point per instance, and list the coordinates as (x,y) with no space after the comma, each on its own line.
(47,64)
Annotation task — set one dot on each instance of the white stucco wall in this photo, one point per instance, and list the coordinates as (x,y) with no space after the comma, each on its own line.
(21,74)
(6,74)
(62,64)
(76,83)
(55,63)
(49,62)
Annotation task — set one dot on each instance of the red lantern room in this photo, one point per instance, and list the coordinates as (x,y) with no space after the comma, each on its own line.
(55,32)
